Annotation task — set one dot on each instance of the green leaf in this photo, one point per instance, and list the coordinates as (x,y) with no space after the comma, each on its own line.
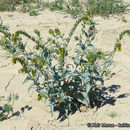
(80,98)
(18,54)
(52,108)
(31,87)
(8,108)
(88,87)
(86,98)
(27,79)
(37,32)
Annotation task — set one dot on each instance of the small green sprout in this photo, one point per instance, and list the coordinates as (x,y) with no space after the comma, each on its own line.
(112,114)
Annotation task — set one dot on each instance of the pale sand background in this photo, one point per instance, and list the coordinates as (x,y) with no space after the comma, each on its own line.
(38,117)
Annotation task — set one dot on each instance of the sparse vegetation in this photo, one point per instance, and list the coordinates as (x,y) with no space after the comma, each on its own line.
(112,114)
(76,8)
(10,5)
(106,7)
(8,107)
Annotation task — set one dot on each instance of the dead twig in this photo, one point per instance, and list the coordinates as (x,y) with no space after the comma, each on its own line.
(9,82)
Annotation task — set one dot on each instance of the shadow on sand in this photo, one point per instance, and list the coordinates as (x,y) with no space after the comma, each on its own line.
(106,98)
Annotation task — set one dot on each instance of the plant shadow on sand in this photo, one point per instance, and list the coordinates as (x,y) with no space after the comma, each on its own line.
(23,109)
(106,99)
(17,113)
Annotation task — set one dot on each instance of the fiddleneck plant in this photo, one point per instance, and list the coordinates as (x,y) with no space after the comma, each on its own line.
(65,85)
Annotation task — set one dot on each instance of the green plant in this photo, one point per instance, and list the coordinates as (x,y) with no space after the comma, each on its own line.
(39,5)
(65,85)
(33,13)
(106,7)
(77,8)
(8,108)
(118,43)
(6,5)
(112,114)
(29,7)
(124,19)
(56,5)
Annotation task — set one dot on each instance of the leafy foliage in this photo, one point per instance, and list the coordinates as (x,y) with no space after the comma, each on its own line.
(77,8)
(65,85)
(33,13)
(56,5)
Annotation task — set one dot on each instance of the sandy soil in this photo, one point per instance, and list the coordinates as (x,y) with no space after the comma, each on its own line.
(37,114)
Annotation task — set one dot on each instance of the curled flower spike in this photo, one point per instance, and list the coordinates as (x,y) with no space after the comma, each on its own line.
(57,31)
(38,62)
(32,61)
(4,36)
(13,61)
(33,73)
(36,47)
(118,47)
(82,65)
(43,63)
(87,16)
(119,50)
(14,43)
(39,97)
(20,70)
(52,41)
(90,62)
(14,34)
(61,100)
(90,12)
(100,52)
(61,51)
